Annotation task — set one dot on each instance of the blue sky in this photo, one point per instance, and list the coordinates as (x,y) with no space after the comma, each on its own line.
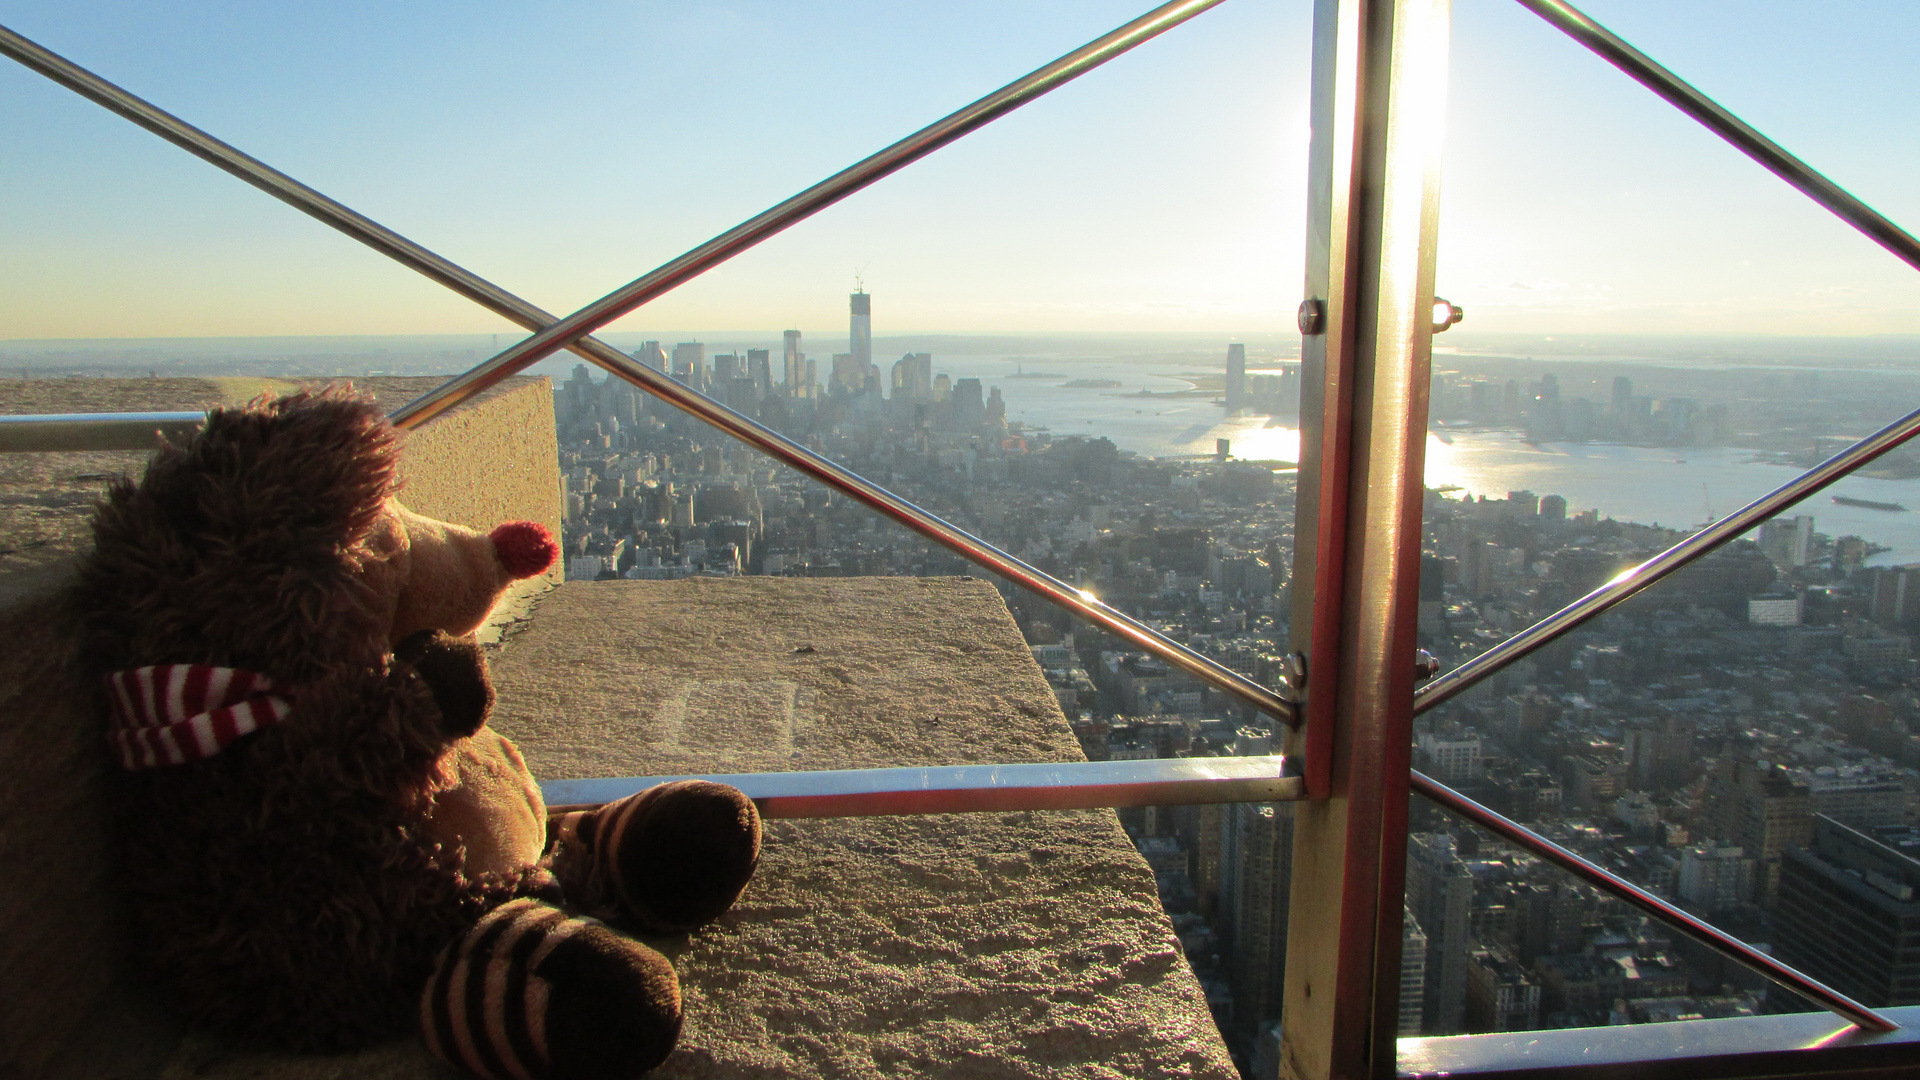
(563,149)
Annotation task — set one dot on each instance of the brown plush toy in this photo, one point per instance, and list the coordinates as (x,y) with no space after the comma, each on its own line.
(323,842)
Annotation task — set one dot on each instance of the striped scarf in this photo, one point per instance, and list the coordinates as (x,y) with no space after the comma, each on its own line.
(170,714)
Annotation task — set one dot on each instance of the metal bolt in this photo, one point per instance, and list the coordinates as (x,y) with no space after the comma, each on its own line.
(1312,317)
(1293,670)
(1425,665)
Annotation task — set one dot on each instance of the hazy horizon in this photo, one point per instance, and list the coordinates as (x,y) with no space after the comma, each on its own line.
(429,354)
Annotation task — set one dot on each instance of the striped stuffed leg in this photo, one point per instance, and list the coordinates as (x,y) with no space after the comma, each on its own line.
(665,860)
(531,993)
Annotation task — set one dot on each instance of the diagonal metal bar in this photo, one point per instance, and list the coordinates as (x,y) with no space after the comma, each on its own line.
(1698,929)
(506,304)
(1771,155)
(1633,580)
(807,203)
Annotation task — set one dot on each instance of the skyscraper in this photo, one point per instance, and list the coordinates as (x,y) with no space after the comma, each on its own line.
(969,409)
(847,378)
(1440,895)
(793,370)
(860,334)
(1847,913)
(1236,376)
(1260,843)
(690,364)
(1760,807)
(760,370)
(1622,396)
(651,355)
(913,377)
(1413,973)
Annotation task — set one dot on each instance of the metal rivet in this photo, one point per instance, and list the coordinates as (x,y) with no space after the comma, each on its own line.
(1312,317)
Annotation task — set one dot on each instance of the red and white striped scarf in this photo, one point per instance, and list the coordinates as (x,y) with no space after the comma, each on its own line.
(170,714)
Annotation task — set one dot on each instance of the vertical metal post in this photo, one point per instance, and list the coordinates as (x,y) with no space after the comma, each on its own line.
(1379,91)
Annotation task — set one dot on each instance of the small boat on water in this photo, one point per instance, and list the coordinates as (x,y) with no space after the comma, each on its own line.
(1869,504)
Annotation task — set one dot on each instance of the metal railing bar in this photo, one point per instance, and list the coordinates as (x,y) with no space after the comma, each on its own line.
(952,789)
(94,431)
(1771,156)
(1692,926)
(512,307)
(1639,577)
(798,208)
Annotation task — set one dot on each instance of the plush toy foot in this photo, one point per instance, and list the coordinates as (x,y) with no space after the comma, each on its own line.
(531,994)
(668,859)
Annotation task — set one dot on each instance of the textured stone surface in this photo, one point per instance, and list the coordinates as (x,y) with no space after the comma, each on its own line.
(975,945)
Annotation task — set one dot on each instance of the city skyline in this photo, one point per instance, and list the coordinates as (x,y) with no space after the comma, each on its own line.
(1574,201)
(1743,739)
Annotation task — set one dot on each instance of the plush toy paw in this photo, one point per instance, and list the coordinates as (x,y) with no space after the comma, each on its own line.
(532,994)
(456,672)
(667,859)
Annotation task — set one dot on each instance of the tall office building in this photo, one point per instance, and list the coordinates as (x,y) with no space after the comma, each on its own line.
(1622,396)
(1413,973)
(1440,895)
(1763,810)
(1848,915)
(690,365)
(913,377)
(1893,593)
(651,355)
(760,370)
(1259,841)
(1236,376)
(969,408)
(860,334)
(847,377)
(792,363)
(1788,541)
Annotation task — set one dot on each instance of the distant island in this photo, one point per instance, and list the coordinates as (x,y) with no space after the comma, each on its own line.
(1091,384)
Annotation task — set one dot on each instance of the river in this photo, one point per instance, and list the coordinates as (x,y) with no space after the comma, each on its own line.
(1675,487)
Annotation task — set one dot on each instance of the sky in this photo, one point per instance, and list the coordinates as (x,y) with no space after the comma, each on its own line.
(564,149)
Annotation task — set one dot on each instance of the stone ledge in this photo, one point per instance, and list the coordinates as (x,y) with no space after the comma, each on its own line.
(962,945)
(46,499)
(1001,945)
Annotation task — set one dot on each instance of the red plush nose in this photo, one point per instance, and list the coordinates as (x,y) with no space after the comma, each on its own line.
(525,547)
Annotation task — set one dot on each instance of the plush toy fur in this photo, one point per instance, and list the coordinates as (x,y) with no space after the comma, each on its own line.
(364,864)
